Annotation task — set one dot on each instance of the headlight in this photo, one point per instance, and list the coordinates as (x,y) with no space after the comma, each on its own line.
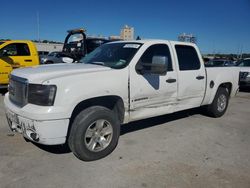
(43,59)
(248,76)
(43,95)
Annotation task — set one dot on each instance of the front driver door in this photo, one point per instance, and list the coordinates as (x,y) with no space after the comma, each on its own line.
(151,94)
(17,55)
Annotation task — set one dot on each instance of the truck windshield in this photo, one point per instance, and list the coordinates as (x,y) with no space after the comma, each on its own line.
(114,55)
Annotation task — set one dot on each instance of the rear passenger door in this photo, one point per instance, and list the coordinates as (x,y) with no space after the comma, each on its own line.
(191,75)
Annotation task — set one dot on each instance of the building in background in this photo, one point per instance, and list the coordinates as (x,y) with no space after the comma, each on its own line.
(187,38)
(48,47)
(114,37)
(127,33)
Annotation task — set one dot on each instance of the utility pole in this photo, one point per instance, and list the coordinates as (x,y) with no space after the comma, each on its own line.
(241,51)
(38,26)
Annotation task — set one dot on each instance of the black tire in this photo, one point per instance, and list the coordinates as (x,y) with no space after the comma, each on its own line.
(82,123)
(49,62)
(26,139)
(214,109)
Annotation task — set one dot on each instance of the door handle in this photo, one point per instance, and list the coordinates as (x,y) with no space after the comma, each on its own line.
(200,77)
(28,60)
(171,80)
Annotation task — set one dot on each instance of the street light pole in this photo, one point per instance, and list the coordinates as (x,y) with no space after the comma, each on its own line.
(38,26)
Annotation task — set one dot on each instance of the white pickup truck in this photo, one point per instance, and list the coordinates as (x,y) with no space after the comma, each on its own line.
(84,104)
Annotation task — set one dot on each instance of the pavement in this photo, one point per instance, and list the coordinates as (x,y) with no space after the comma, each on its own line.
(184,149)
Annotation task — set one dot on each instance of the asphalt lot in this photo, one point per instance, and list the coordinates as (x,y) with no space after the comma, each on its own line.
(184,149)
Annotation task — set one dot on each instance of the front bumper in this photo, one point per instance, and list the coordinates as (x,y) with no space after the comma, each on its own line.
(47,132)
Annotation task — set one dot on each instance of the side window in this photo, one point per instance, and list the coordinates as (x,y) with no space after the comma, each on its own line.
(22,49)
(156,50)
(9,50)
(187,58)
(16,49)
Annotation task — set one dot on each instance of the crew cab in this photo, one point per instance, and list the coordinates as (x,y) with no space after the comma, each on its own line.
(84,104)
(15,54)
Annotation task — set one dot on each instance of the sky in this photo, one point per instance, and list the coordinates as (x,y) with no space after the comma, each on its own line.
(221,26)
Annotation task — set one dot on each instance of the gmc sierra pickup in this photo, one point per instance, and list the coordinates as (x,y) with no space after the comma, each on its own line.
(84,104)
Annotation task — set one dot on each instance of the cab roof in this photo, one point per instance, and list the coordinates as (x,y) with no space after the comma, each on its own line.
(155,41)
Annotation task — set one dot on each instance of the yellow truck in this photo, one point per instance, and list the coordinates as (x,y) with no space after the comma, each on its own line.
(15,54)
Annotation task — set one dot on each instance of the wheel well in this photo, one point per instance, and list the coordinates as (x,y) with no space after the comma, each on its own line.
(228,86)
(113,103)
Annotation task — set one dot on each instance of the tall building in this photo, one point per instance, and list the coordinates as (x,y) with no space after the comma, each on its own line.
(127,33)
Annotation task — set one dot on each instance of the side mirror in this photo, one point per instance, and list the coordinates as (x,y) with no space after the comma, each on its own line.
(158,66)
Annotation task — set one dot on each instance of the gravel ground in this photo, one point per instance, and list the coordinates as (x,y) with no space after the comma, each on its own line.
(185,149)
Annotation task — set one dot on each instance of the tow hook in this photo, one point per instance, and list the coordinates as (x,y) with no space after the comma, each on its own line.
(34,137)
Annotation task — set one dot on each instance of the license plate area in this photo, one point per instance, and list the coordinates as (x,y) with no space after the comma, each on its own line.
(17,123)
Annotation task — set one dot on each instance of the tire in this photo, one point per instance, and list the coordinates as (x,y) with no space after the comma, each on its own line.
(220,103)
(94,133)
(49,62)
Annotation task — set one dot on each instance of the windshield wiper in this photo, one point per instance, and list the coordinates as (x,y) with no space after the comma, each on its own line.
(97,63)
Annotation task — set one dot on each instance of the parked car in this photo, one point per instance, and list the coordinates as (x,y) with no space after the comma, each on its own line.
(219,63)
(42,55)
(85,103)
(244,73)
(51,58)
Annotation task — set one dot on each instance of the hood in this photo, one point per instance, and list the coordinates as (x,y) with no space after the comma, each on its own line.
(39,74)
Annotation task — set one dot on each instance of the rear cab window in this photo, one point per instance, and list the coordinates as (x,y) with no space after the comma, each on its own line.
(187,58)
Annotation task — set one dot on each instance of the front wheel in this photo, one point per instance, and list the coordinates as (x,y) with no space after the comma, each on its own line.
(94,133)
(219,104)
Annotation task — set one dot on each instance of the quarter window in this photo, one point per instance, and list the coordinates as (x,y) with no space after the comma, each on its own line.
(187,58)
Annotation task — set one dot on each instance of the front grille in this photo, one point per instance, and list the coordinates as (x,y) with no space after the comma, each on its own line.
(18,90)
(243,75)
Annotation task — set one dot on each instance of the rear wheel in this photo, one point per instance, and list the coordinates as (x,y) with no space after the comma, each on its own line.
(219,104)
(94,133)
